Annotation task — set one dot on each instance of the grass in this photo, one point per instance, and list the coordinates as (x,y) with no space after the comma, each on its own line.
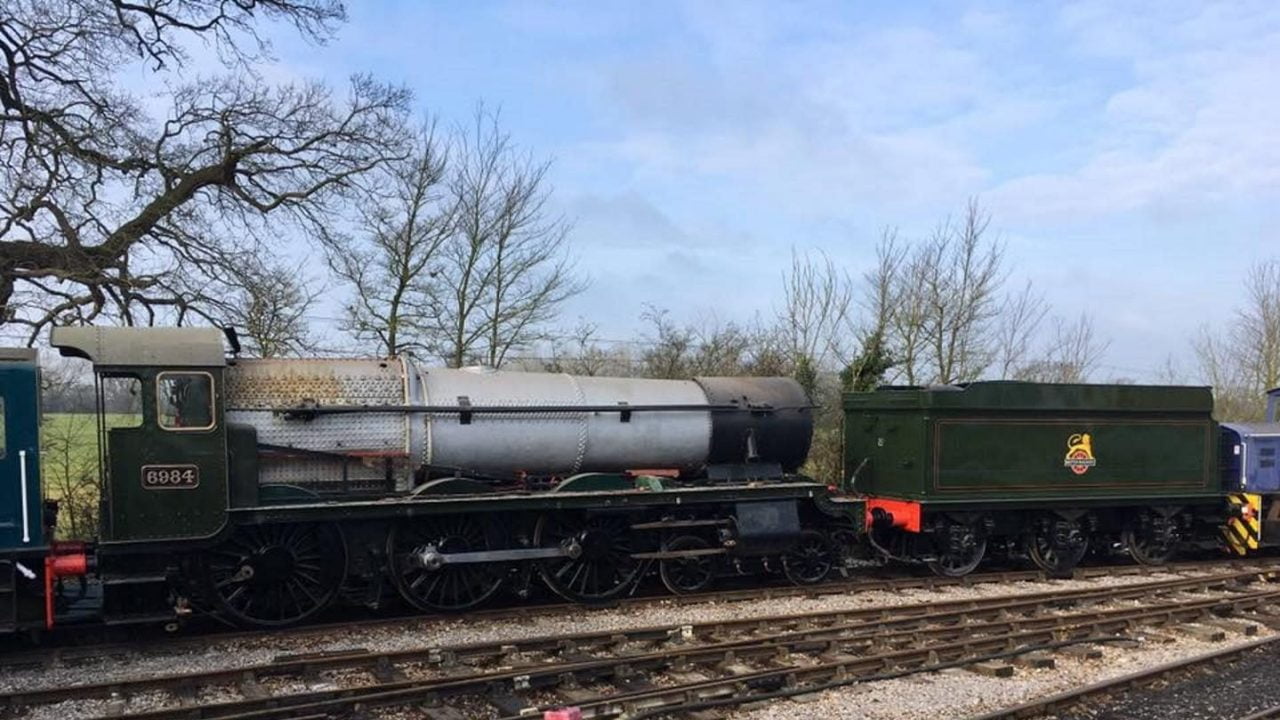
(70,441)
(69,467)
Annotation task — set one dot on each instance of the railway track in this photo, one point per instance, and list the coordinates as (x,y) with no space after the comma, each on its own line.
(683,668)
(1049,705)
(72,655)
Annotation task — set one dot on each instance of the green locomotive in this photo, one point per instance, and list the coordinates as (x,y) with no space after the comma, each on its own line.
(262,491)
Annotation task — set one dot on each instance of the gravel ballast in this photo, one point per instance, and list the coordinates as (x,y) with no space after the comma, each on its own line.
(1241,687)
(952,693)
(242,653)
(958,693)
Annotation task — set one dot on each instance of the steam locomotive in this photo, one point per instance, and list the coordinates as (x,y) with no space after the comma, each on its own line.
(262,492)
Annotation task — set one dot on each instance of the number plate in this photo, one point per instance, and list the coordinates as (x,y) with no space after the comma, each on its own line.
(170,477)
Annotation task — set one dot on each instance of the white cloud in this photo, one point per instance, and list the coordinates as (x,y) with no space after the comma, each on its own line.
(1196,124)
(854,117)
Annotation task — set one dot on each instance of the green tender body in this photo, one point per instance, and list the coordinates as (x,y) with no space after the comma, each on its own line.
(1009,441)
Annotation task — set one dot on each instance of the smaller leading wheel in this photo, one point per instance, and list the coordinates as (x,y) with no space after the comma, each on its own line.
(691,573)
(810,560)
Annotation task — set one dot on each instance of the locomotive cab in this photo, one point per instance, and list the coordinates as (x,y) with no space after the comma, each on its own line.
(165,464)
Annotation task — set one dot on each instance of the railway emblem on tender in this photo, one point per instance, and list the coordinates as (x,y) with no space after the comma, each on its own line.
(1080,453)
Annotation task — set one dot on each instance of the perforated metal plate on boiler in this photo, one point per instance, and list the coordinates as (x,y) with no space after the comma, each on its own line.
(258,389)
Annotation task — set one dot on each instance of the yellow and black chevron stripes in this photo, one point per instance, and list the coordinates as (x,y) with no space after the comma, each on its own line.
(1243,530)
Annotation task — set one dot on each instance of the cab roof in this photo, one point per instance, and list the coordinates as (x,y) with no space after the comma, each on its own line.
(142,346)
(16,354)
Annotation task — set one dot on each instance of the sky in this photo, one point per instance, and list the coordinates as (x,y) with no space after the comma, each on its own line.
(1129,153)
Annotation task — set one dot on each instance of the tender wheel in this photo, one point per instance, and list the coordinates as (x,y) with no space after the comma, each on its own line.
(599,565)
(276,575)
(847,541)
(962,549)
(1152,542)
(687,574)
(810,560)
(445,587)
(1056,545)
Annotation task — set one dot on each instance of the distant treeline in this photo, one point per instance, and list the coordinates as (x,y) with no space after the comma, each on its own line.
(79,398)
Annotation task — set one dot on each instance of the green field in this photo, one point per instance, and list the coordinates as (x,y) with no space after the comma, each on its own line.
(69,467)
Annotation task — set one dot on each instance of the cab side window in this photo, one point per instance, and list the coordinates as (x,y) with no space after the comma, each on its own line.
(184,400)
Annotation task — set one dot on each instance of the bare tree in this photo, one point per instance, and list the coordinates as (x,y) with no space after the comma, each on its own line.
(711,347)
(1234,396)
(66,385)
(1242,361)
(816,311)
(882,309)
(69,471)
(909,307)
(108,212)
(674,351)
(881,283)
(68,438)
(764,353)
(1078,348)
(1256,334)
(504,274)
(387,263)
(959,271)
(269,308)
(1017,329)
(1170,373)
(819,327)
(584,355)
(936,304)
(1072,355)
